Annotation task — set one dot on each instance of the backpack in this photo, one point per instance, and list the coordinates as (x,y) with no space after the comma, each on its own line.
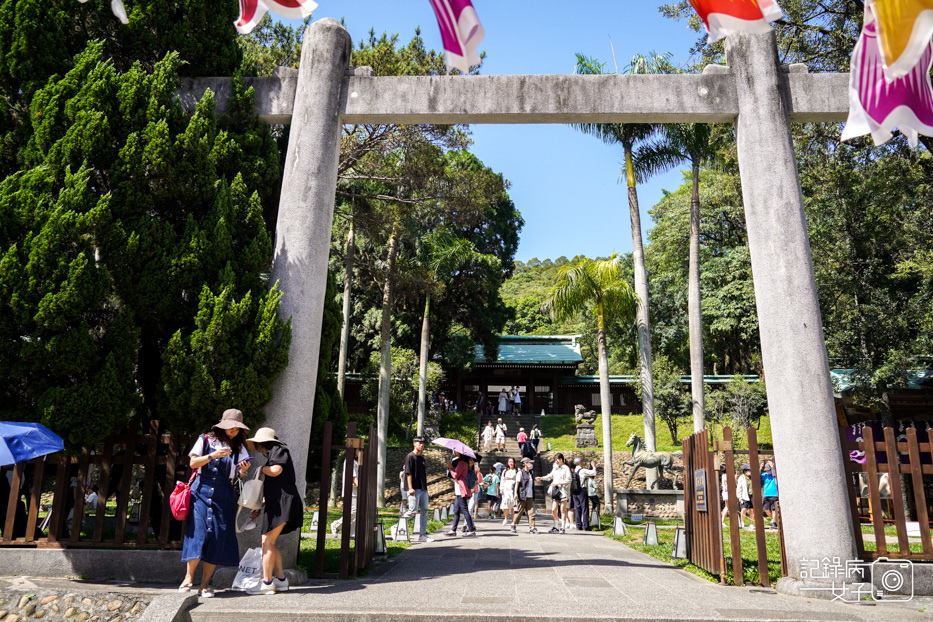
(575,487)
(471,479)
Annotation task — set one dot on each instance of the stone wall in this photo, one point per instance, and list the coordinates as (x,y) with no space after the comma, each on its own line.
(71,606)
(440,487)
(620,472)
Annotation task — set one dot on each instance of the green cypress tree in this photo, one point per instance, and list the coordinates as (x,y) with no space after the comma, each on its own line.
(181,243)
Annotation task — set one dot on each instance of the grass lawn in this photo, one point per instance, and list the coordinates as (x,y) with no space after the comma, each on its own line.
(308,546)
(665,547)
(561,432)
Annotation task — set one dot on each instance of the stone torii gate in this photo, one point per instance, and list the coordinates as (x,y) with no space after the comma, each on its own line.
(754,91)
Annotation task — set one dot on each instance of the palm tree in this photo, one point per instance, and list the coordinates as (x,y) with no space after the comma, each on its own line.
(689,142)
(443,254)
(628,135)
(600,283)
(347,288)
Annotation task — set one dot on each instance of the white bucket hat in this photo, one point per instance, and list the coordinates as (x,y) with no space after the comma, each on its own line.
(263,435)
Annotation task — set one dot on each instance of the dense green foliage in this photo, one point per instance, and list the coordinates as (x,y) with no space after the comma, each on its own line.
(135,240)
(403,395)
(173,250)
(404,184)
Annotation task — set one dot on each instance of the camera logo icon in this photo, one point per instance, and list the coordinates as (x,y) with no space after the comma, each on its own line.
(892,580)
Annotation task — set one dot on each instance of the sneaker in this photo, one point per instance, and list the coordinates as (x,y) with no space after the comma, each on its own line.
(533,530)
(281,585)
(425,539)
(470,534)
(505,521)
(562,530)
(262,588)
(451,534)
(513,529)
(554,530)
(773,526)
(408,514)
(207,592)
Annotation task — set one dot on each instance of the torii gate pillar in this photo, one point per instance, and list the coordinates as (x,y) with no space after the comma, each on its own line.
(814,503)
(302,237)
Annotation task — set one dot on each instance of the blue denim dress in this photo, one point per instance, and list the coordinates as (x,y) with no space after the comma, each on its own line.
(210,533)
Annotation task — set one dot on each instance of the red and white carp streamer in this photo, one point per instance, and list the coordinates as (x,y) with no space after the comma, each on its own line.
(251,11)
(461,32)
(878,105)
(723,17)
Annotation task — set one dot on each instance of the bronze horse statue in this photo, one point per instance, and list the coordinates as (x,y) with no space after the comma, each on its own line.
(648,459)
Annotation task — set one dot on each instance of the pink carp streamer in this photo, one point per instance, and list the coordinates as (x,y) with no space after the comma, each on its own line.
(723,17)
(251,11)
(876,105)
(461,32)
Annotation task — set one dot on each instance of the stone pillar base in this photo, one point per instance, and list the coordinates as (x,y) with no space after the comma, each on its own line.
(586,436)
(823,590)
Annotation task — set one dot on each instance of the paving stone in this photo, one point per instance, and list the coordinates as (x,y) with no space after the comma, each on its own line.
(114,605)
(48,599)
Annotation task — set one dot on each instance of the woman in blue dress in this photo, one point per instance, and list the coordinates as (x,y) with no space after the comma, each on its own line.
(210,534)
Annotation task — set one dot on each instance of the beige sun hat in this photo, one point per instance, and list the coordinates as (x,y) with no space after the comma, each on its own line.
(232,418)
(263,435)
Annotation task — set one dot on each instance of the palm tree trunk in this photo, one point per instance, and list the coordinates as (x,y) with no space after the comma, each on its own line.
(606,410)
(423,366)
(694,309)
(642,315)
(385,371)
(345,330)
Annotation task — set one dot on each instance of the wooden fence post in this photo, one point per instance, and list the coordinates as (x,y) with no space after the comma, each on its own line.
(757,504)
(322,523)
(738,576)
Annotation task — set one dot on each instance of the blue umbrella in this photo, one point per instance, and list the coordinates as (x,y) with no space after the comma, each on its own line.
(20,442)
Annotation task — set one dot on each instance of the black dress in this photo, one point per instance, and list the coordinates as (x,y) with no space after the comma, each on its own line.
(283,503)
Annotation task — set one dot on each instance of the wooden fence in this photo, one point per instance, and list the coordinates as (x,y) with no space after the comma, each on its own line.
(904,465)
(366,530)
(703,526)
(701,504)
(146,463)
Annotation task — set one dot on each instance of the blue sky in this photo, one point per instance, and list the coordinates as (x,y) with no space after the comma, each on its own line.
(564,183)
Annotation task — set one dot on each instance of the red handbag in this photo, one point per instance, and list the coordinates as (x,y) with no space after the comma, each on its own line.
(180,499)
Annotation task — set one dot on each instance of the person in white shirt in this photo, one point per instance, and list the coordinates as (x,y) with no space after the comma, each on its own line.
(489,433)
(579,495)
(501,431)
(741,493)
(559,477)
(516,401)
(509,480)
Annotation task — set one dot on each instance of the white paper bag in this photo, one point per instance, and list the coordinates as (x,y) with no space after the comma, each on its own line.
(249,574)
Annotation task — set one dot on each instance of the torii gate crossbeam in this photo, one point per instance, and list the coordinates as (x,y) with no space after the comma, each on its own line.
(755,92)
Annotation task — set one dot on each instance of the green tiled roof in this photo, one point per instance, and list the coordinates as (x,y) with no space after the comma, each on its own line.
(628,379)
(535,350)
(916,379)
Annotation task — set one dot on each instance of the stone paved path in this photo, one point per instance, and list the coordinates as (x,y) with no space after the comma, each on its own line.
(500,576)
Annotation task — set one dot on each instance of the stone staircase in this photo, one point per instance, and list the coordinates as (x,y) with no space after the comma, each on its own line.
(490,457)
